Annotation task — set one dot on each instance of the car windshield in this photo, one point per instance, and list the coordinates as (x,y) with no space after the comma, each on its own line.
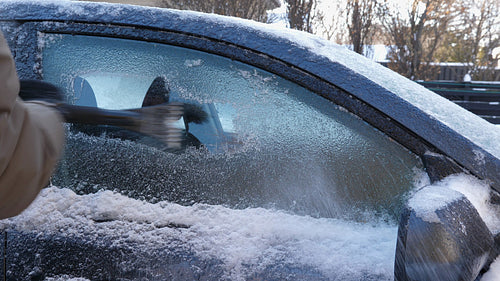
(266,142)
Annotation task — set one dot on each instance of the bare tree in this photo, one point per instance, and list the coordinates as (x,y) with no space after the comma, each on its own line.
(300,14)
(248,9)
(415,37)
(472,37)
(479,33)
(360,18)
(332,27)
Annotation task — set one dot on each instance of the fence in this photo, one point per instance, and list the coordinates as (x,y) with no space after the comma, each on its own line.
(481,98)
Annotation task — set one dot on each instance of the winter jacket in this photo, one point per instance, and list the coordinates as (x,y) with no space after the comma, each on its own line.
(31,141)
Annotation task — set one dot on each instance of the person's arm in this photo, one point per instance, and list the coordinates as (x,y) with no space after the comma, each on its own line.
(31,141)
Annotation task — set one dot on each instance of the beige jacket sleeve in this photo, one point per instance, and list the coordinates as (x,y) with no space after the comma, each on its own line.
(31,141)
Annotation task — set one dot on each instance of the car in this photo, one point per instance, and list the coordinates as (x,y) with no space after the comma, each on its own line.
(312,162)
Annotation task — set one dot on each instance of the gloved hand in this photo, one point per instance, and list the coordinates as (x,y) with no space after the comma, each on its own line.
(37,90)
(149,120)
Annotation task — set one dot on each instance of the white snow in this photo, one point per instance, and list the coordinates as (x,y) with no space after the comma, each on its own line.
(494,273)
(244,240)
(240,238)
(478,193)
(434,197)
(429,199)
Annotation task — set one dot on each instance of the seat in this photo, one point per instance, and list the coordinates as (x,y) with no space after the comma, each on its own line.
(84,94)
(158,92)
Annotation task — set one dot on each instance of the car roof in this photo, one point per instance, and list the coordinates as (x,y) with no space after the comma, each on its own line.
(451,130)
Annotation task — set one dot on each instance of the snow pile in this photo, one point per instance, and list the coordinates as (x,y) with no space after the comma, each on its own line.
(478,193)
(246,241)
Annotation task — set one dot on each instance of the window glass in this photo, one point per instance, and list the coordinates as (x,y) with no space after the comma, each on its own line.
(267,142)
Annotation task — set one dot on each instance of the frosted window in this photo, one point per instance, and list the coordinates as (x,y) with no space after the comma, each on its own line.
(268,142)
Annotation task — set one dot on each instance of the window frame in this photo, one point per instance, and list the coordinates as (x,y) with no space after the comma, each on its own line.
(315,84)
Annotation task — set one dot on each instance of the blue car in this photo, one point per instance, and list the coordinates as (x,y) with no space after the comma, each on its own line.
(311,162)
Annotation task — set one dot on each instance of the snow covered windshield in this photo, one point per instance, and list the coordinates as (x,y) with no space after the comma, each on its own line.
(267,142)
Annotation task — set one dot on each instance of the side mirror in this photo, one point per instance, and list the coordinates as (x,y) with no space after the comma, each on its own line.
(441,237)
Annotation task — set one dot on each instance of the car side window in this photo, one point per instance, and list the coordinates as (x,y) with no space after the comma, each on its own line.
(266,141)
